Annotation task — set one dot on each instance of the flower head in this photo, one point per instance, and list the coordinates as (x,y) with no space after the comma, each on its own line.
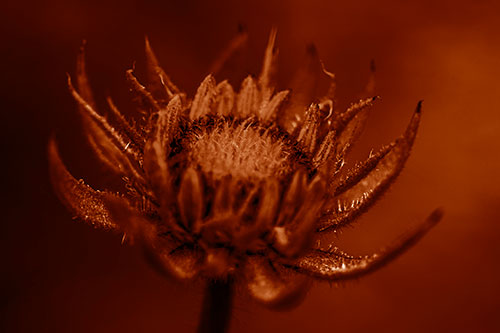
(235,184)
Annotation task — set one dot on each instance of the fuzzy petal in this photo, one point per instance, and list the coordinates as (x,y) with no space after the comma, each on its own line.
(248,98)
(110,146)
(137,138)
(204,98)
(274,285)
(336,265)
(309,131)
(269,109)
(359,197)
(341,120)
(225,98)
(82,200)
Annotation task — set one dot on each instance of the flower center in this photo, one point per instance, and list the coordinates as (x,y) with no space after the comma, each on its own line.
(243,151)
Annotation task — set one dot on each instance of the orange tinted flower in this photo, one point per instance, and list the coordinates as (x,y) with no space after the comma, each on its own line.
(236,184)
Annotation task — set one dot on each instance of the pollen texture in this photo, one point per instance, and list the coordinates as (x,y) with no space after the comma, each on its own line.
(242,151)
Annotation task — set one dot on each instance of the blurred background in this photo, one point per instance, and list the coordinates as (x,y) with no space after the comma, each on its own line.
(63,276)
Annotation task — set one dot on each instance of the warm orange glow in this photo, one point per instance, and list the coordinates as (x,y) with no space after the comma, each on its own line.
(62,276)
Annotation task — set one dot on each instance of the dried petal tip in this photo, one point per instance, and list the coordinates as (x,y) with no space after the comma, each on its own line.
(419,106)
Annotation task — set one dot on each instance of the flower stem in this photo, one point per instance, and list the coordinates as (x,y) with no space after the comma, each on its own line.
(216,308)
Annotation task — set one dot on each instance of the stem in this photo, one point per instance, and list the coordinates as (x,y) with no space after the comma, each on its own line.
(217,304)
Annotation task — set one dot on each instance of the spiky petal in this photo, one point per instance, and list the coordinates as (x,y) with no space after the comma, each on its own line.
(354,198)
(83,201)
(335,265)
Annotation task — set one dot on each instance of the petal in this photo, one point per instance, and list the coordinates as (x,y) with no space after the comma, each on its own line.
(342,119)
(224,102)
(236,43)
(268,67)
(137,138)
(248,98)
(309,131)
(160,81)
(166,254)
(349,125)
(303,87)
(335,265)
(82,200)
(190,198)
(362,170)
(204,98)
(269,109)
(145,97)
(274,285)
(156,166)
(296,236)
(82,79)
(293,198)
(325,150)
(110,146)
(158,147)
(353,200)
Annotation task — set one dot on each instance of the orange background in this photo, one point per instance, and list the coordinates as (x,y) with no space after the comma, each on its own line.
(62,276)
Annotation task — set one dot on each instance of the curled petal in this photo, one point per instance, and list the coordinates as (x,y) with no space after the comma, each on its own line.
(352,200)
(274,285)
(204,98)
(82,200)
(335,265)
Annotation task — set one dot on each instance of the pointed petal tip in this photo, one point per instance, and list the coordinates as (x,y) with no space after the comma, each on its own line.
(436,215)
(311,49)
(419,106)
